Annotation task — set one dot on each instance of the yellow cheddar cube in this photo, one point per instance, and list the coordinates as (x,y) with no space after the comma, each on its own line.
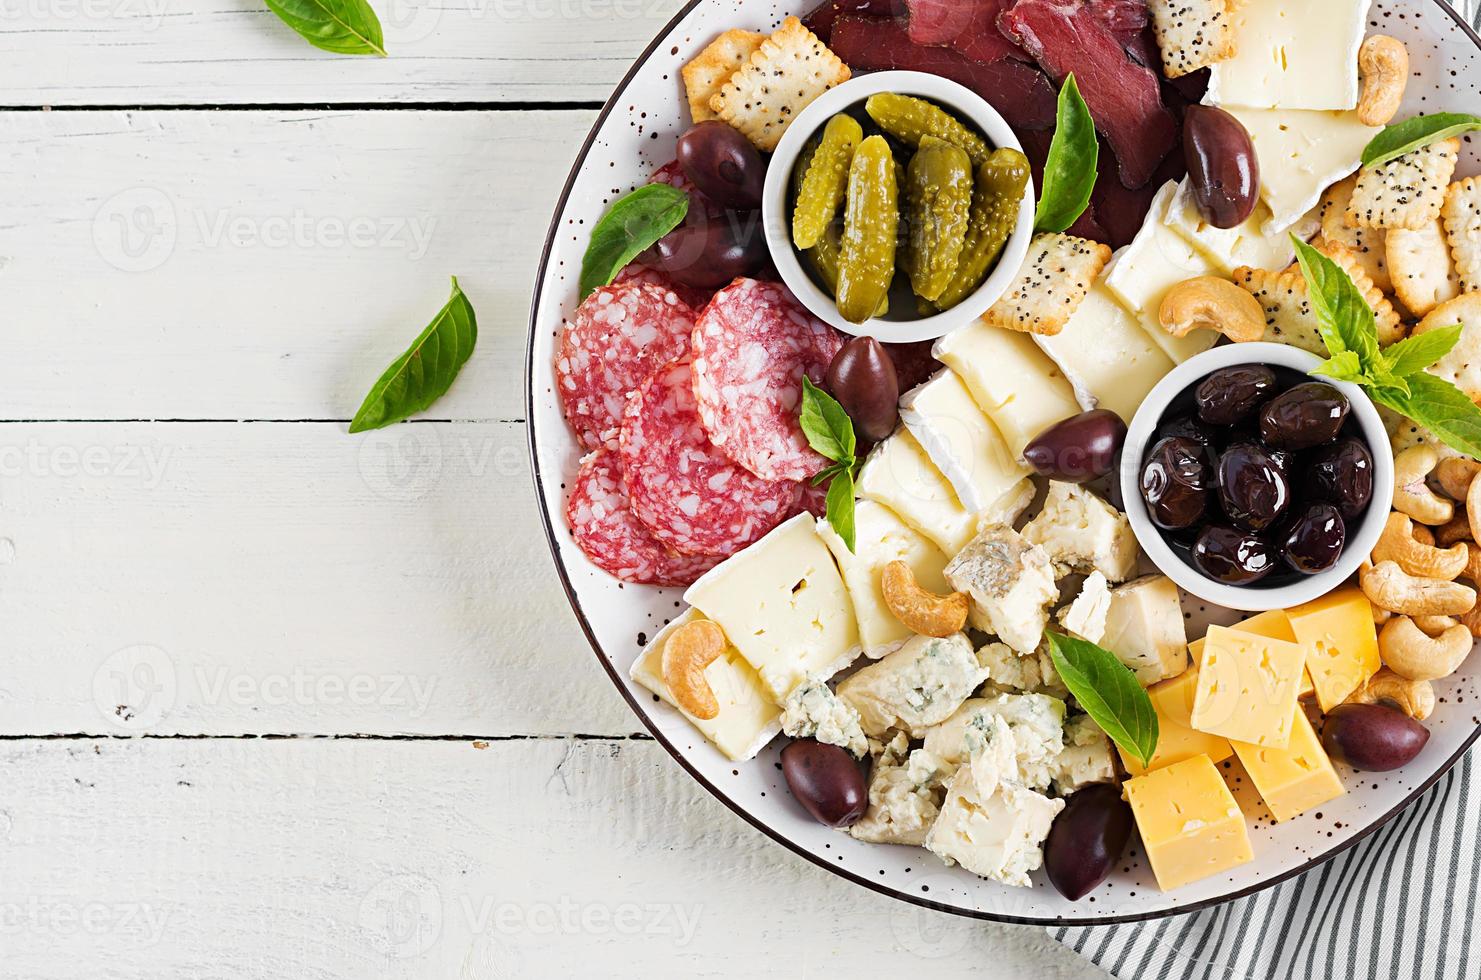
(1247,687)
(1273,624)
(1177,741)
(1190,825)
(1294,779)
(1341,643)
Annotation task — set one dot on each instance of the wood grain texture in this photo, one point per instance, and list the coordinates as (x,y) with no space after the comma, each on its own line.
(235,52)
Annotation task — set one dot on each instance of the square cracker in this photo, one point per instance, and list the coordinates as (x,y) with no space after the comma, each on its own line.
(782,77)
(711,68)
(1462,216)
(1366,244)
(1462,366)
(1056,274)
(1419,263)
(1193,34)
(1405,193)
(1288,315)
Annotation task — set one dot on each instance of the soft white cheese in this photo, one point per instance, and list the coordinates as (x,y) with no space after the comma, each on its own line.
(814,711)
(748,719)
(783,605)
(1082,533)
(1301,154)
(916,687)
(1109,359)
(997,835)
(905,793)
(1086,616)
(899,475)
(1246,244)
(1085,759)
(1292,55)
(963,443)
(1145,628)
(1010,583)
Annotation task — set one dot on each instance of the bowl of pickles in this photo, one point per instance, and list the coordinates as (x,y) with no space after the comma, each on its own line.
(899,205)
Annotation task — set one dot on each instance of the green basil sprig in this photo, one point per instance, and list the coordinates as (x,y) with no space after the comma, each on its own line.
(1069,171)
(635,221)
(341,26)
(1109,693)
(830,432)
(1398,139)
(1393,376)
(423,374)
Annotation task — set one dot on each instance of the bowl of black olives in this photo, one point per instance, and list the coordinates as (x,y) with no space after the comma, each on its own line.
(1253,483)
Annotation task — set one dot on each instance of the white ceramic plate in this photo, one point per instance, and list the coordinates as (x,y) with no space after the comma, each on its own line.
(635,134)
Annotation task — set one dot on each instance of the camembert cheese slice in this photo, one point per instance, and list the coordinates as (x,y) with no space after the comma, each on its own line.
(1301,154)
(899,475)
(1292,55)
(1108,358)
(963,443)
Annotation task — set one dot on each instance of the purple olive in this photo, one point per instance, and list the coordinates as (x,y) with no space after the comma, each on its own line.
(1253,486)
(1086,840)
(1223,170)
(1372,737)
(723,165)
(1175,482)
(826,780)
(1311,540)
(1307,415)
(1232,556)
(1341,474)
(1078,449)
(862,377)
(1229,395)
(709,254)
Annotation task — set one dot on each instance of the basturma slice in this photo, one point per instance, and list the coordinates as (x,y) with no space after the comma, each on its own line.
(604,526)
(688,493)
(969,26)
(618,336)
(752,345)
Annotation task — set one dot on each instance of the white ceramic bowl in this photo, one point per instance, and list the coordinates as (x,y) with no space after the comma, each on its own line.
(901,324)
(1360,539)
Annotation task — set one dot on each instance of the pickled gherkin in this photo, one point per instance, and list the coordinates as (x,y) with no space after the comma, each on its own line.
(938,197)
(995,204)
(826,180)
(907,118)
(866,262)
(822,258)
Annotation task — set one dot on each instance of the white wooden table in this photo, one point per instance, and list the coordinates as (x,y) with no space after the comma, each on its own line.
(280,702)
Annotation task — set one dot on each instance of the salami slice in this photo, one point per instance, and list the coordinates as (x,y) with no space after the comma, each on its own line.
(618,336)
(606,529)
(752,345)
(693,498)
(814,500)
(695,298)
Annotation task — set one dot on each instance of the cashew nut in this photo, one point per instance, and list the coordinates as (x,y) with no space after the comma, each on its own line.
(1387,585)
(1384,64)
(1458,528)
(1471,620)
(1415,698)
(1398,544)
(1472,571)
(1412,495)
(1380,616)
(1423,535)
(1409,653)
(1214,304)
(1473,509)
(922,612)
(692,648)
(1454,476)
(1433,626)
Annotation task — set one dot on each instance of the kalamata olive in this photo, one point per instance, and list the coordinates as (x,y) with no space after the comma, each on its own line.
(1176,480)
(723,165)
(1229,395)
(1372,737)
(709,254)
(1232,556)
(1311,541)
(1342,475)
(862,377)
(826,781)
(1304,416)
(1188,427)
(1253,487)
(1222,167)
(1080,448)
(1086,840)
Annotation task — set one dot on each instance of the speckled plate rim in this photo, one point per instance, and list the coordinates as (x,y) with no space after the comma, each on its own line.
(571,597)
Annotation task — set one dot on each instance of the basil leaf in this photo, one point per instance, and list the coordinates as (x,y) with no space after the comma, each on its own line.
(1109,692)
(1392,382)
(1440,407)
(1342,367)
(423,374)
(1343,316)
(1069,171)
(635,221)
(823,476)
(841,506)
(1411,134)
(1421,350)
(341,26)
(826,425)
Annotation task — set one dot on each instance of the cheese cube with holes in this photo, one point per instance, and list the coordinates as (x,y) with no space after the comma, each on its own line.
(919,685)
(1247,687)
(1292,55)
(783,605)
(899,475)
(1020,389)
(1010,582)
(966,447)
(1340,641)
(1296,778)
(747,720)
(1177,740)
(1190,825)
(1273,624)
(880,538)
(1301,154)
(1109,359)
(997,835)
(1080,532)
(1145,628)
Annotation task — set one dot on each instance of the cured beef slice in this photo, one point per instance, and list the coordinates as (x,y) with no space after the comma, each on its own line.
(968,26)
(820,19)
